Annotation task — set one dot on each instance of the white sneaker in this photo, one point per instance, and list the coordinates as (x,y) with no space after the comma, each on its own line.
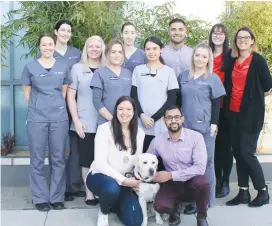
(103,219)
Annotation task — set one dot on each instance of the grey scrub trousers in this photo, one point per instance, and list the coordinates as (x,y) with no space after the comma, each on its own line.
(47,124)
(108,88)
(196,96)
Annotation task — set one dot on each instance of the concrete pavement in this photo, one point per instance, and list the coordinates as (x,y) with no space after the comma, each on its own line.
(17,210)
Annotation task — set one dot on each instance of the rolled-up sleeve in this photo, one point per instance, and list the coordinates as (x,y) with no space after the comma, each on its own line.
(26,77)
(199,157)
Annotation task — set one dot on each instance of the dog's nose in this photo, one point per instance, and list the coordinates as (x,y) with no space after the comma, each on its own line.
(151,171)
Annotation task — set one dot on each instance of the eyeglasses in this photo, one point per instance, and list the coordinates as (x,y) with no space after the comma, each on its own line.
(176,117)
(246,38)
(218,34)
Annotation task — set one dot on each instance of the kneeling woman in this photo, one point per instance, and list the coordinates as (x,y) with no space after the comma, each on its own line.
(117,144)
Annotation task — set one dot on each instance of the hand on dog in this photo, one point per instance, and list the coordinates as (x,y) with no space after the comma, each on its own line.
(162,177)
(131,182)
(136,188)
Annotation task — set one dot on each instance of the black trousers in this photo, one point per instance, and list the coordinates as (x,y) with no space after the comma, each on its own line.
(244,145)
(223,158)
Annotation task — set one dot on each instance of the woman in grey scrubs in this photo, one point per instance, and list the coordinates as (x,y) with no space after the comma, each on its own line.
(154,88)
(110,82)
(83,112)
(134,56)
(201,91)
(45,84)
(70,55)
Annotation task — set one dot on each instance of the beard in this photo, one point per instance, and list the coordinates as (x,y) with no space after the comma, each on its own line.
(174,130)
(177,42)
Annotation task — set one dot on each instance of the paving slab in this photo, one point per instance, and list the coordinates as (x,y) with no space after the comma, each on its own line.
(23,218)
(17,209)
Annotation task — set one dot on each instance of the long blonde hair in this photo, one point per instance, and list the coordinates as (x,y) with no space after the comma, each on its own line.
(209,69)
(84,56)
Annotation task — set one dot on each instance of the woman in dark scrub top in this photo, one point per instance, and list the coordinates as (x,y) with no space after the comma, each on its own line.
(63,32)
(70,55)
(223,159)
(134,56)
(83,112)
(154,88)
(248,81)
(45,84)
(111,82)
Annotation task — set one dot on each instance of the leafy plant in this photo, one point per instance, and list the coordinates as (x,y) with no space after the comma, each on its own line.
(6,34)
(155,21)
(89,18)
(102,18)
(256,15)
(8,142)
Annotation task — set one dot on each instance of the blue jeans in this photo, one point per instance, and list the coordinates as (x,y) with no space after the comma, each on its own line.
(121,200)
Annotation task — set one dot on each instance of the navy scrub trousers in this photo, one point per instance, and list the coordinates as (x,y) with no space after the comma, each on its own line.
(39,134)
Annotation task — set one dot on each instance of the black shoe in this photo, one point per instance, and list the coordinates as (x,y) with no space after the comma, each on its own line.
(201,220)
(190,209)
(79,193)
(218,185)
(174,218)
(43,207)
(262,198)
(243,197)
(68,197)
(57,205)
(91,202)
(223,191)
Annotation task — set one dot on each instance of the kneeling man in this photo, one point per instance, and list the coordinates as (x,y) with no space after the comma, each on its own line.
(184,156)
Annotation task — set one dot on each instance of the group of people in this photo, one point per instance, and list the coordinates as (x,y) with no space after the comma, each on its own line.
(193,108)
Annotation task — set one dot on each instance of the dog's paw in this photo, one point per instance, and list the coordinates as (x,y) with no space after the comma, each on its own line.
(144,222)
(165,216)
(159,220)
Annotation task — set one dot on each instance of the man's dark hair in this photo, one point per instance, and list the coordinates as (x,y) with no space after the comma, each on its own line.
(172,107)
(177,20)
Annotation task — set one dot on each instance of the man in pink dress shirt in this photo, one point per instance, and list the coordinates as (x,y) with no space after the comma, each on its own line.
(184,156)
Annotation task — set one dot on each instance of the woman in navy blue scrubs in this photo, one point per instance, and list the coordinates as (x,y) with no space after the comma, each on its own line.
(70,55)
(133,55)
(45,84)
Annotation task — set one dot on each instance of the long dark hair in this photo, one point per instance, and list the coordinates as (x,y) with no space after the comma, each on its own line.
(157,41)
(226,52)
(133,126)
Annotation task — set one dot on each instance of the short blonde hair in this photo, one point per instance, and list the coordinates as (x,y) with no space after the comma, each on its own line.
(84,56)
(235,50)
(209,70)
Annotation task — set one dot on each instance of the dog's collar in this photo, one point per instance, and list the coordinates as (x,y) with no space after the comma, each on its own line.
(129,175)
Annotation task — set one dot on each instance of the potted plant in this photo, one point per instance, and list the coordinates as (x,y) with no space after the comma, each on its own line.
(7,144)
